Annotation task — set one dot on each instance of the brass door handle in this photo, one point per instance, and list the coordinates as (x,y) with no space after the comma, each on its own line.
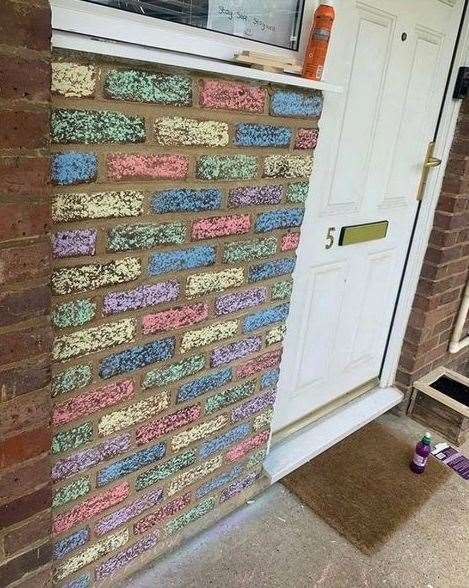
(432,162)
(428,164)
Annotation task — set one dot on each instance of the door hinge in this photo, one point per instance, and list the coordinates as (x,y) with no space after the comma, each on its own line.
(428,164)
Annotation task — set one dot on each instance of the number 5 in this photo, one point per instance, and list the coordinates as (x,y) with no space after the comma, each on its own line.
(330,237)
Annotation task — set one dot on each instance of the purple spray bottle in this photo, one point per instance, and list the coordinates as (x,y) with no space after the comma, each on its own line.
(422,451)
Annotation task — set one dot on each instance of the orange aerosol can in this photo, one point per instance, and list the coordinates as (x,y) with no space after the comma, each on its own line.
(316,51)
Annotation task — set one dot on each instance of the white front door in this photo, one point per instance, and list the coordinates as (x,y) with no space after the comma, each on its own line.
(393,57)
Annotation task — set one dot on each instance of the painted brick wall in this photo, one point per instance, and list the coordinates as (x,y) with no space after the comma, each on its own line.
(25,334)
(177,205)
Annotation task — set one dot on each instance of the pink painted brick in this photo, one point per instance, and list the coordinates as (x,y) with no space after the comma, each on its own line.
(167,424)
(90,508)
(90,402)
(240,450)
(306,139)
(231,96)
(290,241)
(174,318)
(220,226)
(121,166)
(258,364)
(168,510)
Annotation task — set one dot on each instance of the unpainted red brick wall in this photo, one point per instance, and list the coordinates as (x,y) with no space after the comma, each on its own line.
(444,272)
(25,334)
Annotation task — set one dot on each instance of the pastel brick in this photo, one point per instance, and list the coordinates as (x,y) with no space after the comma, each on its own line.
(297,192)
(70,207)
(282,290)
(90,402)
(256,458)
(125,557)
(167,424)
(259,364)
(72,439)
(133,414)
(96,126)
(288,166)
(252,407)
(265,317)
(185,438)
(185,200)
(71,379)
(73,168)
(89,277)
(233,351)
(176,130)
(67,544)
(165,470)
(231,96)
(182,259)
(279,219)
(230,396)
(168,510)
(306,139)
(275,335)
(296,104)
(190,476)
(226,167)
(257,135)
(141,86)
(125,237)
(83,581)
(190,516)
(223,441)
(91,554)
(271,269)
(238,301)
(245,250)
(73,80)
(220,226)
(240,450)
(73,314)
(203,384)
(74,243)
(91,507)
(93,339)
(141,297)
(130,464)
(218,482)
(289,241)
(71,492)
(238,487)
(255,195)
(199,284)
(146,166)
(270,378)
(136,357)
(207,335)
(262,420)
(126,513)
(85,459)
(174,318)
(174,372)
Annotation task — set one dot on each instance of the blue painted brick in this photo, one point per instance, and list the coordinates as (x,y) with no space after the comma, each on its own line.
(270,269)
(225,440)
(83,581)
(270,378)
(73,168)
(185,200)
(130,464)
(279,219)
(201,385)
(182,259)
(67,544)
(137,357)
(289,103)
(218,482)
(265,317)
(256,135)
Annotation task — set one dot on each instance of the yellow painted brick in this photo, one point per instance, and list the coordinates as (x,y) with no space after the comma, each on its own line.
(207,335)
(195,473)
(263,420)
(198,432)
(73,79)
(275,335)
(120,419)
(199,284)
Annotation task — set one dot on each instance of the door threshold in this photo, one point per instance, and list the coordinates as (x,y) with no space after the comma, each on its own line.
(310,441)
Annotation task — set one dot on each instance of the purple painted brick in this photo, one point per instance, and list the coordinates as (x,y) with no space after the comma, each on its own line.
(73,243)
(119,517)
(140,297)
(255,195)
(239,486)
(253,406)
(234,302)
(234,351)
(123,558)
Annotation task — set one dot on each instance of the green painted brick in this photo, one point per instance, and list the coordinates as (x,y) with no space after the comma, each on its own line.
(71,492)
(141,86)
(245,250)
(256,458)
(165,470)
(73,438)
(191,515)
(173,373)
(298,192)
(230,396)
(125,237)
(226,167)
(73,314)
(96,126)
(70,379)
(282,290)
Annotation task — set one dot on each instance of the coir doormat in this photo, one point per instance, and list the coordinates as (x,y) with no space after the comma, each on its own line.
(364,489)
